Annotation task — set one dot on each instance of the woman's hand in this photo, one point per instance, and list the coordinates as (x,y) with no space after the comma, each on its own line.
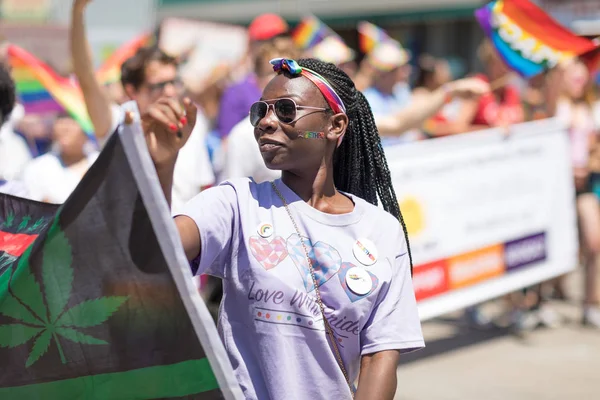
(167,126)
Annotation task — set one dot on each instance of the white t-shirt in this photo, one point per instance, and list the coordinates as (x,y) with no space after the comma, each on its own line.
(14,188)
(193,170)
(48,180)
(241,157)
(270,321)
(14,152)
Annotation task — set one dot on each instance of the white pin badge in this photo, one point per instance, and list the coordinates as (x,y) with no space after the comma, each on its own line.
(359,281)
(265,230)
(365,251)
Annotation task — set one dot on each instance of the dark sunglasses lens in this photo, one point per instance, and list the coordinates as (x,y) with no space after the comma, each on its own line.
(258,111)
(285,109)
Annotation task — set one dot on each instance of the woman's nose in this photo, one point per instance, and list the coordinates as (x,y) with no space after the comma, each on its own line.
(269,121)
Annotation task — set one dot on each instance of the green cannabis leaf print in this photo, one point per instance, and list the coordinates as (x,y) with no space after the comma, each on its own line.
(44,317)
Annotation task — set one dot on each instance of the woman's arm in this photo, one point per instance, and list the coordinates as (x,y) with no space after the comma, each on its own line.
(96,99)
(167,126)
(377,380)
(420,108)
(425,105)
(461,124)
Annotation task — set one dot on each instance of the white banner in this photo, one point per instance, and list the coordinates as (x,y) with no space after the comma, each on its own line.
(487,215)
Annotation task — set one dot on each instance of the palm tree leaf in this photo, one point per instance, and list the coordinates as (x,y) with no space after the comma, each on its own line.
(91,312)
(78,337)
(39,348)
(14,335)
(57,273)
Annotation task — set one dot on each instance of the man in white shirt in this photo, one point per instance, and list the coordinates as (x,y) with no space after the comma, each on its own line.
(147,76)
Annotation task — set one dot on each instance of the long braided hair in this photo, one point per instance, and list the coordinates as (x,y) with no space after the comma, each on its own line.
(359,164)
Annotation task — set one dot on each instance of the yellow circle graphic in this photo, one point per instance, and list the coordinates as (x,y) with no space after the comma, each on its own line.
(413,215)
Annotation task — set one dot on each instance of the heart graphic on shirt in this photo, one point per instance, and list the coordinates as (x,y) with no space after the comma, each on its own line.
(325,259)
(351,295)
(268,254)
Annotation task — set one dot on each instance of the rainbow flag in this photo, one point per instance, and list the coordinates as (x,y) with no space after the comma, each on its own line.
(310,32)
(527,38)
(110,71)
(43,91)
(370,35)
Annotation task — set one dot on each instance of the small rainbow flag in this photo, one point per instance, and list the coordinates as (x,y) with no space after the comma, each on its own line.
(370,35)
(110,71)
(43,91)
(310,32)
(527,38)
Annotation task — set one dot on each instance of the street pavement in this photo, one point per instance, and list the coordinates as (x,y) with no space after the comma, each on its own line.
(464,364)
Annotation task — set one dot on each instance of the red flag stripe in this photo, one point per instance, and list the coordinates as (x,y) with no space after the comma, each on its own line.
(15,243)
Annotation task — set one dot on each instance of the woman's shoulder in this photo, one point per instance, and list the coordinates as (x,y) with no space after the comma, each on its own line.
(243,189)
(376,215)
(390,233)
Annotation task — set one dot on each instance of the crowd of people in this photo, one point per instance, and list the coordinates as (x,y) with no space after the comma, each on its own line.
(412,97)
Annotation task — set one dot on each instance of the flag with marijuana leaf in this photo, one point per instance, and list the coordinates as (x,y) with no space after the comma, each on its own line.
(96,296)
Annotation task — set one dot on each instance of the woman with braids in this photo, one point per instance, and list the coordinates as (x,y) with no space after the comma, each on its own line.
(316,278)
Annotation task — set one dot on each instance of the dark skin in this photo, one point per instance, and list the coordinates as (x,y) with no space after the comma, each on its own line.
(307,169)
(306,164)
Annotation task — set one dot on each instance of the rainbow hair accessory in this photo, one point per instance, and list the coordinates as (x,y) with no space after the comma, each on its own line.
(333,99)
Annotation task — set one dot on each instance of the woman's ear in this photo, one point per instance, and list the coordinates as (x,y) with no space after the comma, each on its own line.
(337,127)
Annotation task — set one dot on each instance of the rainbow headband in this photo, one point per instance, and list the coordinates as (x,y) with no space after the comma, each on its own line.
(292,67)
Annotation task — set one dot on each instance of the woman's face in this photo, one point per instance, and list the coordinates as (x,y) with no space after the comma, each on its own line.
(283,146)
(576,78)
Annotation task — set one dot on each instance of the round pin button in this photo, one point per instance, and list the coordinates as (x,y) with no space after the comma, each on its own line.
(365,251)
(265,230)
(359,281)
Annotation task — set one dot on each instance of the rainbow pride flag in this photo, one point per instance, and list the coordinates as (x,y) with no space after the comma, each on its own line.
(370,35)
(110,71)
(310,32)
(527,38)
(43,91)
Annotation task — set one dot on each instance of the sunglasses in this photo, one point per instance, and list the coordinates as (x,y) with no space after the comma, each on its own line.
(285,110)
(160,86)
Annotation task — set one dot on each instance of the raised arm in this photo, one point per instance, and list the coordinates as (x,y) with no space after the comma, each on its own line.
(96,99)
(167,126)
(425,106)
